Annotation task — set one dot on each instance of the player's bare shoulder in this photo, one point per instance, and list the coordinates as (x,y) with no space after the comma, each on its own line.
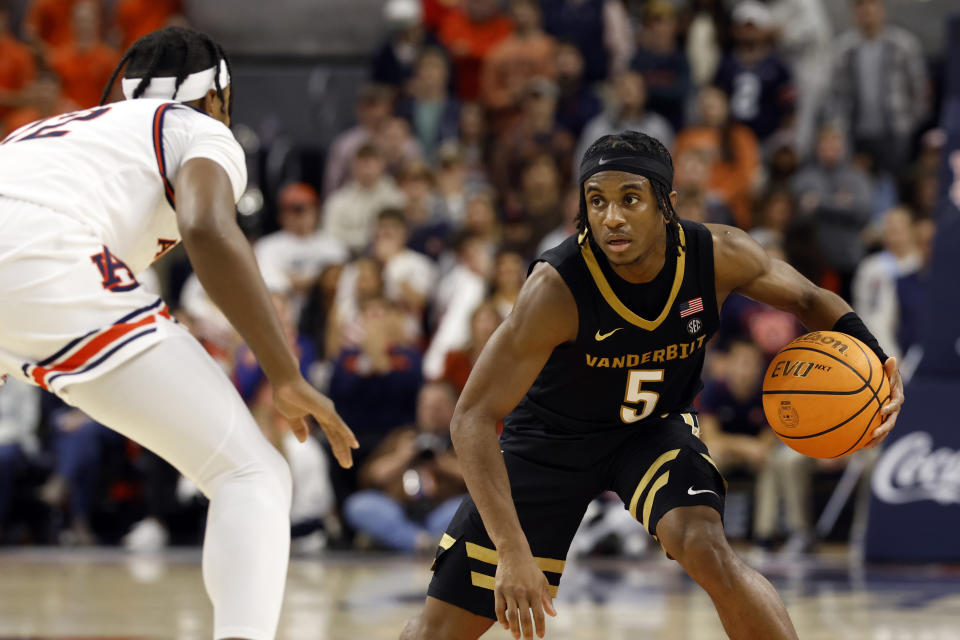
(545,310)
(737,258)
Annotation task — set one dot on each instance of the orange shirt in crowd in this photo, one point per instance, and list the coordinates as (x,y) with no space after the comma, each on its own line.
(83,74)
(469,43)
(732,181)
(136,18)
(511,64)
(50,20)
(16,67)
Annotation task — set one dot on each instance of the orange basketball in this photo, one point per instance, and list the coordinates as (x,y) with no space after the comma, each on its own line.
(823,392)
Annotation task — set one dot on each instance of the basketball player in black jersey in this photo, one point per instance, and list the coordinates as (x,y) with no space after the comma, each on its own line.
(594,374)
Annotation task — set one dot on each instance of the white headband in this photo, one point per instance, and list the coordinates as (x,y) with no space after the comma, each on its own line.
(193,87)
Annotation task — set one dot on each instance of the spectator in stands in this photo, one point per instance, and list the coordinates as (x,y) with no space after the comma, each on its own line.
(19,417)
(732,151)
(453,178)
(469,33)
(136,18)
(804,39)
(429,228)
(47,23)
(875,281)
(568,225)
(707,32)
(774,214)
(397,145)
(627,111)
(458,294)
(692,180)
(298,250)
(541,191)
(474,141)
(433,115)
(661,62)
(375,383)
(753,74)
(599,28)
(731,411)
(509,273)
(17,67)
(42,99)
(783,162)
(525,54)
(86,62)
(411,483)
(358,282)
(459,362)
(761,325)
(317,315)
(838,196)
(79,444)
(535,133)
(408,276)
(351,211)
(735,429)
(396,58)
(374,105)
(577,103)
(480,216)
(911,292)
(880,90)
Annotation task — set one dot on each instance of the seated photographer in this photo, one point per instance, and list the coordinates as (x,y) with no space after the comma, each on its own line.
(411,484)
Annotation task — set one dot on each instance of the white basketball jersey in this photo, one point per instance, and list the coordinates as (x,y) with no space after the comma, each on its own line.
(113,168)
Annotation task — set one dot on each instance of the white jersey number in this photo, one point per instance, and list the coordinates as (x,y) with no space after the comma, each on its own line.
(635,395)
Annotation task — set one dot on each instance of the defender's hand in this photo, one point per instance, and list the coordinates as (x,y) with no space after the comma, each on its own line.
(297,399)
(521,587)
(891,410)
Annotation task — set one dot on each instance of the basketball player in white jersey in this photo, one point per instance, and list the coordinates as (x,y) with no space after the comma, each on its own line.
(88,200)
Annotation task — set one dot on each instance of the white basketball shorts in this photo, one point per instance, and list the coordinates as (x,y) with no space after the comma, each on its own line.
(70,310)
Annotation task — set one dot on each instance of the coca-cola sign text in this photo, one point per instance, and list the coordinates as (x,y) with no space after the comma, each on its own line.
(910,470)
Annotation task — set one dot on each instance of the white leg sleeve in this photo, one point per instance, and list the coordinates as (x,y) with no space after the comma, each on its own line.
(175,400)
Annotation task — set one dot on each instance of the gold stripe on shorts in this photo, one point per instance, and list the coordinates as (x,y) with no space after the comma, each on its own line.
(487,582)
(447,541)
(648,503)
(483,554)
(648,476)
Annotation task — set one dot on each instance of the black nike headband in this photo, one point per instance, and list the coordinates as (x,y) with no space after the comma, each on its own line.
(641,165)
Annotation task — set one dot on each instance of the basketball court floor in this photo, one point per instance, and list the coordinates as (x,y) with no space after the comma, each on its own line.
(93,594)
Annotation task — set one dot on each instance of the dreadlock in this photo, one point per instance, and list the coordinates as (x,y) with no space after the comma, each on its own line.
(635,143)
(170,52)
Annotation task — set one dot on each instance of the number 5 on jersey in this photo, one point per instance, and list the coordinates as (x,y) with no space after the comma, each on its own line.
(635,395)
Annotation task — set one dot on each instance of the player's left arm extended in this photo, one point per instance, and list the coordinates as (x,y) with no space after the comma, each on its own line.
(742,266)
(227,269)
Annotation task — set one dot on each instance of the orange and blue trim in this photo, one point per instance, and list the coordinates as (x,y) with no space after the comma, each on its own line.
(158,117)
(96,347)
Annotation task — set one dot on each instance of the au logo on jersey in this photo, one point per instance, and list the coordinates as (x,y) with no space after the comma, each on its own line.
(116,275)
(694,326)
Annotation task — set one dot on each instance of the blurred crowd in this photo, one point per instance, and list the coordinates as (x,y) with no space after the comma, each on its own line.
(392,270)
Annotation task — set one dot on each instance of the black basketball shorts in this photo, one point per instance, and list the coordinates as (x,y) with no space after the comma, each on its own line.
(653,467)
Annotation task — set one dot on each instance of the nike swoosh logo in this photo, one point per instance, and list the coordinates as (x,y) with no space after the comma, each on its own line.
(604,336)
(691,492)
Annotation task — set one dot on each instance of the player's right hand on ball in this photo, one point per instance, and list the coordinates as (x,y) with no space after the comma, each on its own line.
(520,588)
(297,399)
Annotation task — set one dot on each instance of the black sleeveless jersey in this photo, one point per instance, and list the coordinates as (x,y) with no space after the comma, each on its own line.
(639,348)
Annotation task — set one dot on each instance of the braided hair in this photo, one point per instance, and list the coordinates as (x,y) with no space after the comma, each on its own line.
(170,52)
(639,144)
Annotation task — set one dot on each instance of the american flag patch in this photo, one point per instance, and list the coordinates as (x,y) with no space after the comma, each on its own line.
(691,307)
